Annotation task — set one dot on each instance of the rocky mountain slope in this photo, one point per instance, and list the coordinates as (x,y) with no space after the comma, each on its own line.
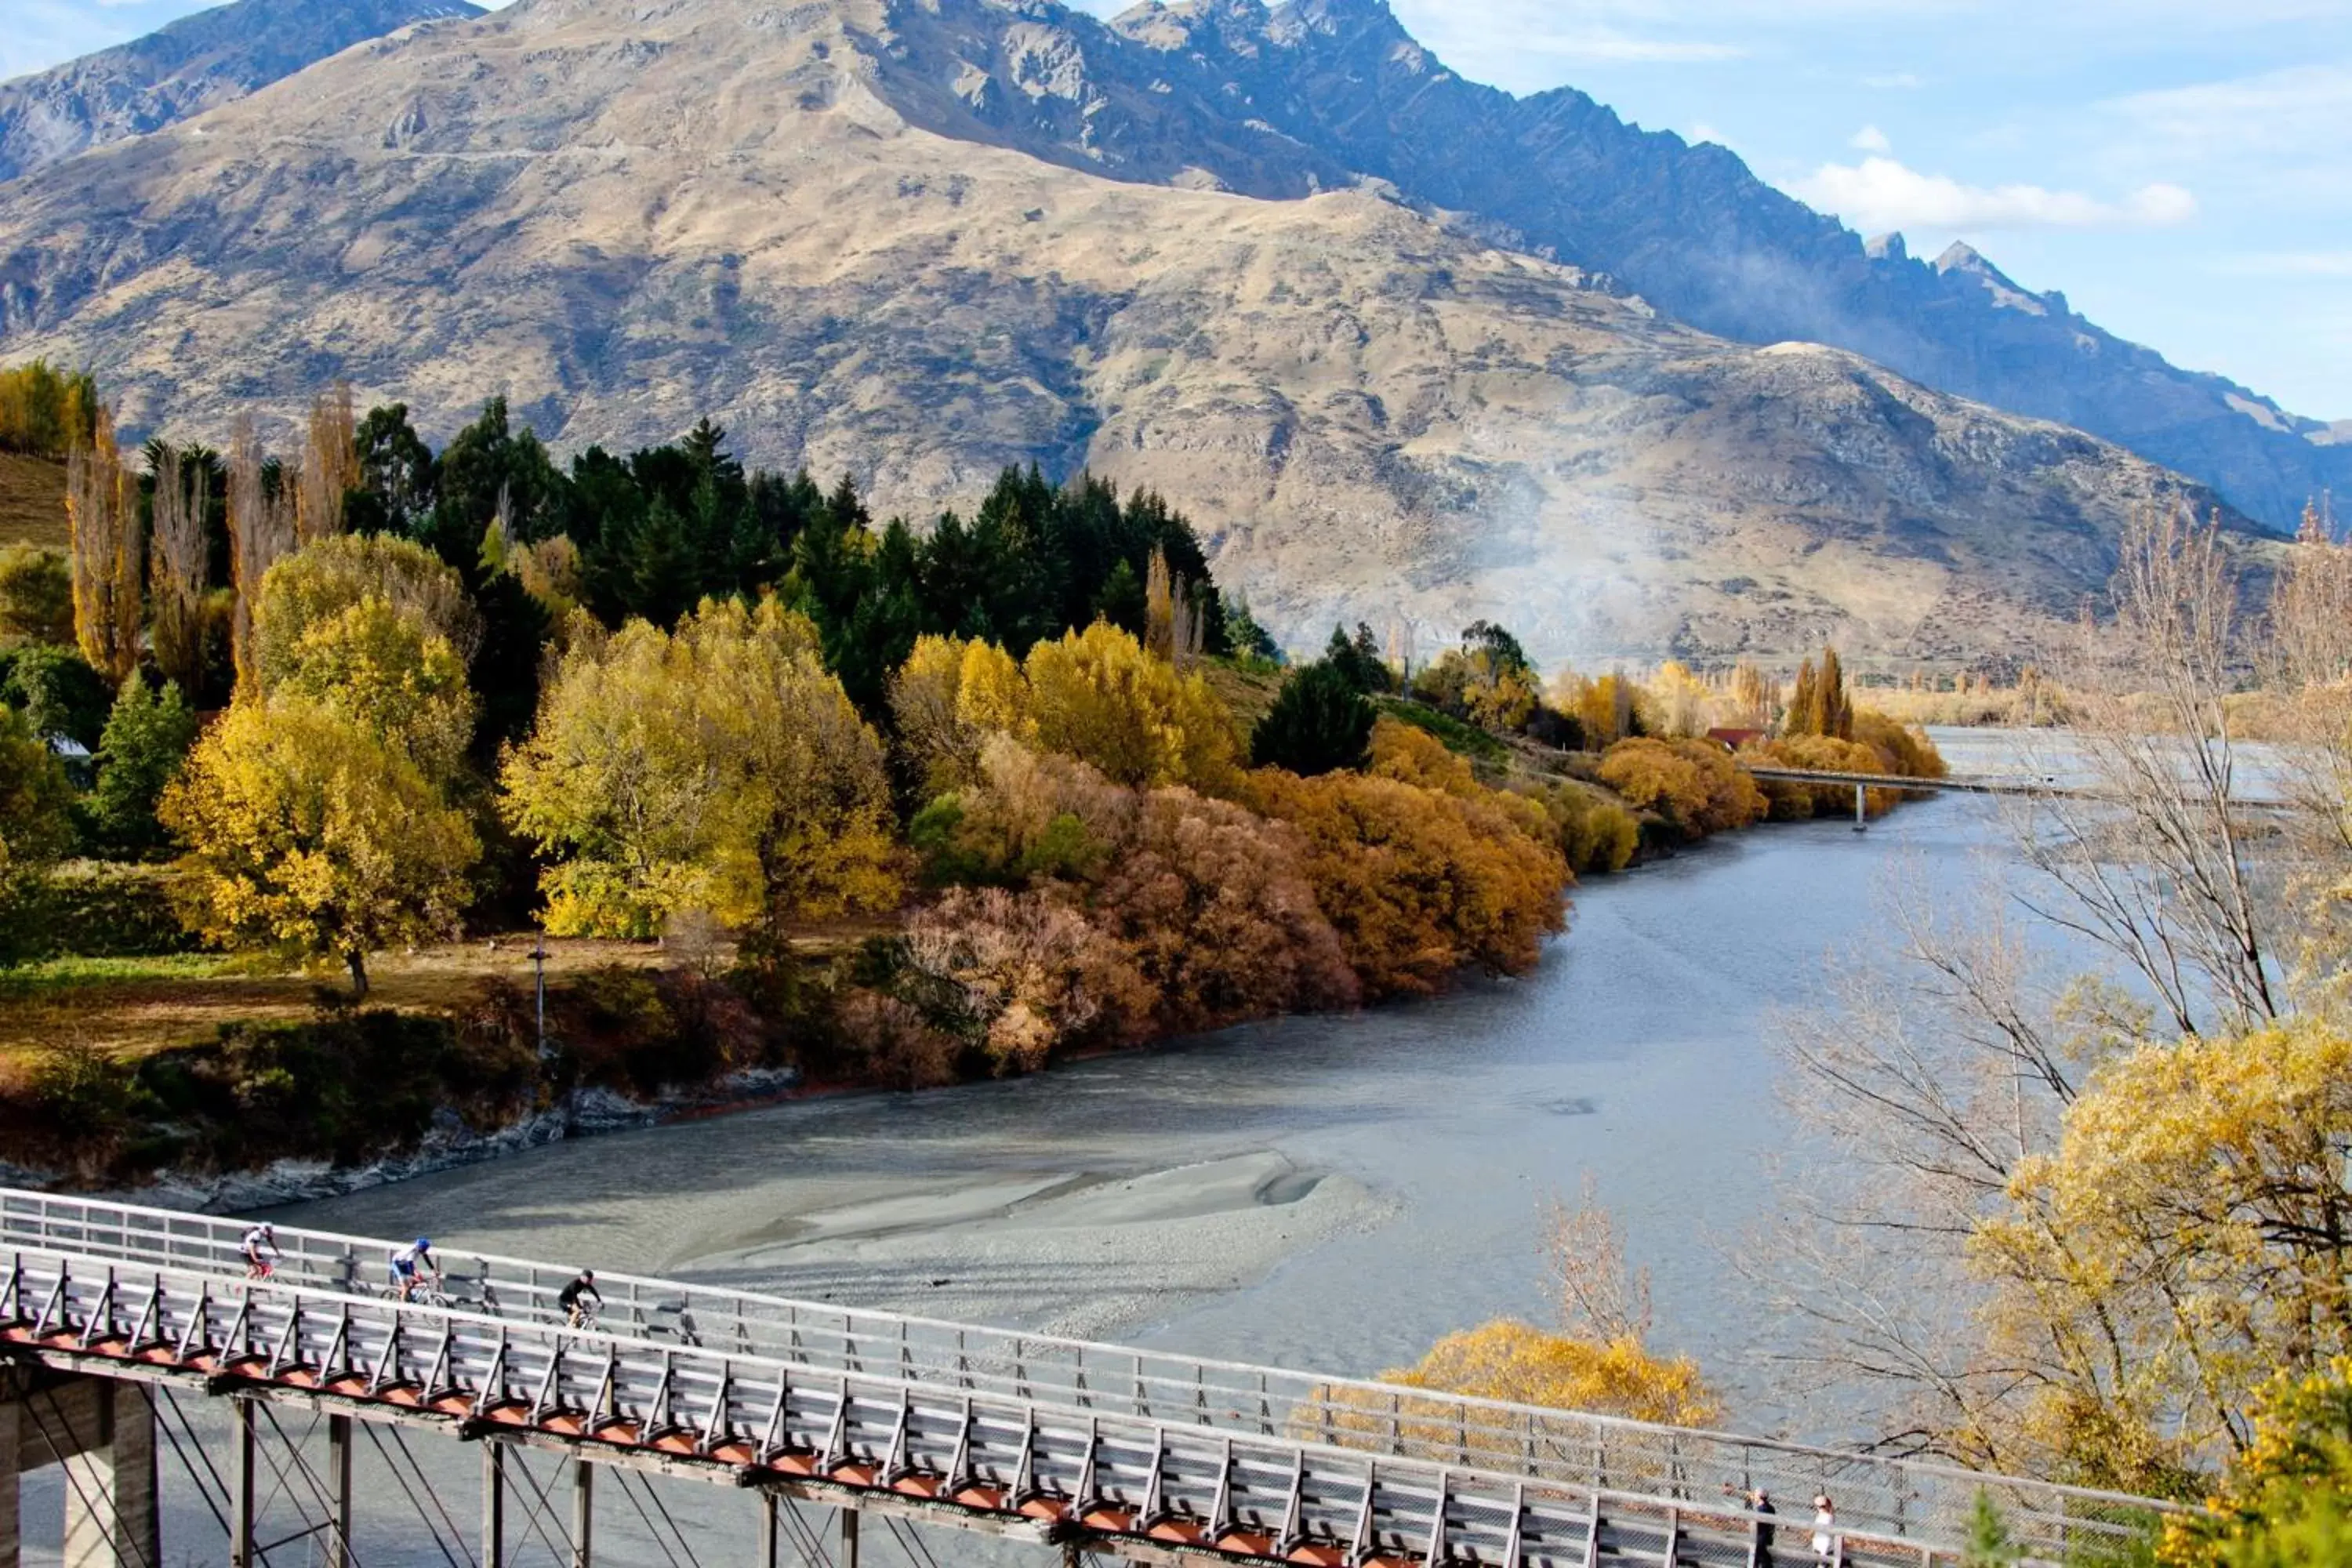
(624,215)
(1279,100)
(185,69)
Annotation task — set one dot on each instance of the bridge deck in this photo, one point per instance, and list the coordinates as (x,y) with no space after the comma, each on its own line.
(1145,1455)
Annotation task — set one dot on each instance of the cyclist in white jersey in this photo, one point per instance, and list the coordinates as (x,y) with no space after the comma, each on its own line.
(259,1247)
(407,1262)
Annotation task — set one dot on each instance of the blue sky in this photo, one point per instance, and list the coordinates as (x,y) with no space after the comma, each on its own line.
(2181,168)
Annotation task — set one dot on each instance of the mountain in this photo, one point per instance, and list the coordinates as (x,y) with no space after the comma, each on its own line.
(1279,100)
(185,69)
(828,224)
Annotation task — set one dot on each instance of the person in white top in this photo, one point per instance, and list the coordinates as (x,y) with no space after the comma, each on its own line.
(1825,1539)
(260,1249)
(409,1262)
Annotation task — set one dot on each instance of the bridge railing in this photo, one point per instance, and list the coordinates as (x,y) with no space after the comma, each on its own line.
(981,1454)
(1902,1498)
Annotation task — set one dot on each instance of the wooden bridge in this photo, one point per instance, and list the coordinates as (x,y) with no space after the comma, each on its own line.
(114,1319)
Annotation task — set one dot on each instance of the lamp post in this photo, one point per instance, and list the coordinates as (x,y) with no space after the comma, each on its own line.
(539,975)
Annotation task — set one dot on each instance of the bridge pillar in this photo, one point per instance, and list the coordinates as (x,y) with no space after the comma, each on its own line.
(339,1485)
(494,1505)
(1861,810)
(243,1496)
(10,1419)
(110,1515)
(583,1512)
(771,1549)
(849,1538)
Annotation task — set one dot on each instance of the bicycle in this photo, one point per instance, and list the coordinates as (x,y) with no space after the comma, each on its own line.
(420,1294)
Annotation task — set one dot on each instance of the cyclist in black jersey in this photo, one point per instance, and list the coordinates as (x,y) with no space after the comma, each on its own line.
(571,1297)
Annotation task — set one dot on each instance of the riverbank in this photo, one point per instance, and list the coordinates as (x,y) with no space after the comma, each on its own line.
(1099,955)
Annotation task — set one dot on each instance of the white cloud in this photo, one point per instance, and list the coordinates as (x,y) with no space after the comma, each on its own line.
(1703,131)
(2302,110)
(1902,79)
(1869,138)
(1879,193)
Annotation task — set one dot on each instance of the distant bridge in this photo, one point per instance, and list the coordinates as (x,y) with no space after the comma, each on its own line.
(113,1317)
(1862,784)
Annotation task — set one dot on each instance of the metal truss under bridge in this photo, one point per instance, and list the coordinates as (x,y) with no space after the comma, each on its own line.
(1084,1447)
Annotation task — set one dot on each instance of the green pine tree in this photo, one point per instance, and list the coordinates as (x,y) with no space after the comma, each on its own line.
(1836,715)
(147,737)
(1989,1544)
(1320,723)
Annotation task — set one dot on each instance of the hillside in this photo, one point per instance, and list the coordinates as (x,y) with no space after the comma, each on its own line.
(625,218)
(185,69)
(1282,100)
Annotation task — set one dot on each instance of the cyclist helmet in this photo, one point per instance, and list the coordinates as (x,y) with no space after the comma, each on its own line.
(424,1242)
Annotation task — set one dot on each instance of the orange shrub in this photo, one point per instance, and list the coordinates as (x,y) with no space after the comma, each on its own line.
(1218,915)
(1694,784)
(1420,884)
(1820,754)
(1902,749)
(1023,975)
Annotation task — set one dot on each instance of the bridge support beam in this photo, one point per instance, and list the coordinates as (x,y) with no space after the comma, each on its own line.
(11,1420)
(583,1512)
(848,1538)
(339,1553)
(110,1514)
(494,1505)
(772,1545)
(241,1483)
(1861,809)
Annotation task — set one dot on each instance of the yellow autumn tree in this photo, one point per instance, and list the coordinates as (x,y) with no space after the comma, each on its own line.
(2183,1245)
(1684,704)
(1522,1364)
(109,553)
(1096,695)
(2286,1500)
(320,581)
(946,700)
(308,835)
(720,767)
(386,670)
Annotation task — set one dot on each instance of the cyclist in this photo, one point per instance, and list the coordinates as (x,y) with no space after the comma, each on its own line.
(571,1297)
(405,1263)
(259,1247)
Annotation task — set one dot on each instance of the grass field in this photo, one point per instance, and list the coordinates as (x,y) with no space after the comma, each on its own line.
(32,501)
(141,1005)
(137,1006)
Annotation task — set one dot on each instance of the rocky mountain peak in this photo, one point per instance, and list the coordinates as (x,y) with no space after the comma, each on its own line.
(193,64)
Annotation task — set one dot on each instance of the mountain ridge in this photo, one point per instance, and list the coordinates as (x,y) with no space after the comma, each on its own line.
(1689,227)
(624,218)
(184,67)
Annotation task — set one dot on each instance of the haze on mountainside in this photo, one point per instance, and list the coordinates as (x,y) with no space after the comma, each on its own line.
(878,236)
